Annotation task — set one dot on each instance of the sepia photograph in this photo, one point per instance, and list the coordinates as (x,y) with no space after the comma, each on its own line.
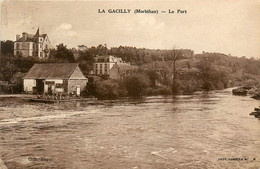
(133,84)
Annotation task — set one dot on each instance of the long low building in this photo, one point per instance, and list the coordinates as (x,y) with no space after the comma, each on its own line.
(55,78)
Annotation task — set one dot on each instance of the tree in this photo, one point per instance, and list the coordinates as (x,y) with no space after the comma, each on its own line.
(136,84)
(205,69)
(7,47)
(102,50)
(9,70)
(108,89)
(64,54)
(174,56)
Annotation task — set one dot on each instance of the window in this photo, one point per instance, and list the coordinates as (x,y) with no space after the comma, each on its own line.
(95,69)
(101,69)
(18,46)
(105,68)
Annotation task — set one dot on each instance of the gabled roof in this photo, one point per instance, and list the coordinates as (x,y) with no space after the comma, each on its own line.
(51,71)
(31,37)
(43,35)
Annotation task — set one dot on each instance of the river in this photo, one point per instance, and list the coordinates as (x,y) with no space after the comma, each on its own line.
(204,130)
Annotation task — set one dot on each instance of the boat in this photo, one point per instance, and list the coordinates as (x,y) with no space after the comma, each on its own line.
(239,91)
(256,96)
(256,112)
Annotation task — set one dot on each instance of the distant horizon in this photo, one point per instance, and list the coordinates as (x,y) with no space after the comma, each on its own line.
(212,26)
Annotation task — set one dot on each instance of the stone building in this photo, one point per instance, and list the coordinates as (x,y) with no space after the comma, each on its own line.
(63,78)
(103,64)
(37,45)
(120,70)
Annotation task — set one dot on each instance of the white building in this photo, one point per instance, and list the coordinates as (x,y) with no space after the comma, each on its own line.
(55,77)
(37,45)
(103,64)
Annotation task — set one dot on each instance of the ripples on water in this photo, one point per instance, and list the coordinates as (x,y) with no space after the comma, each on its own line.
(154,132)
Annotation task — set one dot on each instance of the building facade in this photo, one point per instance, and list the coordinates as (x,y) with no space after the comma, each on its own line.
(62,78)
(103,64)
(37,45)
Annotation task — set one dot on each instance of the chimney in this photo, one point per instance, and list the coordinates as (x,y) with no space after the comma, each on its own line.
(25,35)
(18,37)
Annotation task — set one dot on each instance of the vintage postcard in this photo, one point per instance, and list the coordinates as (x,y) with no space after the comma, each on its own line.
(130,84)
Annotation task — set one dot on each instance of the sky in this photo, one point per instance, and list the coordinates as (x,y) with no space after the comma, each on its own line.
(223,26)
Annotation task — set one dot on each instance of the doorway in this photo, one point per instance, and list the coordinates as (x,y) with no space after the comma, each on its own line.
(39,86)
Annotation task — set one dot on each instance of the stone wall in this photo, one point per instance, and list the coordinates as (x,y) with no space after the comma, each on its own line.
(73,84)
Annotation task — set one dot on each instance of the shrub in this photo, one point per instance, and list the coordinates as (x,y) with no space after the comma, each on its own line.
(136,84)
(108,89)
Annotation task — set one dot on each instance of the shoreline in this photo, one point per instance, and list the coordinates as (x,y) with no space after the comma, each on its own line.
(17,96)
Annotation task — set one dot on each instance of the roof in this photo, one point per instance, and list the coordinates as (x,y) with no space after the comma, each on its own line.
(51,71)
(43,35)
(31,37)
(103,56)
(123,67)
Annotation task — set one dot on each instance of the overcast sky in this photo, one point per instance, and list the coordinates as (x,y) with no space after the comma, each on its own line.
(225,26)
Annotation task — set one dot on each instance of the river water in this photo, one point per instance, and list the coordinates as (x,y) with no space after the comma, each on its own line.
(204,130)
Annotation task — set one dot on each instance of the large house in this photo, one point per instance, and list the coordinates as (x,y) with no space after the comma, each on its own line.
(37,45)
(62,78)
(103,64)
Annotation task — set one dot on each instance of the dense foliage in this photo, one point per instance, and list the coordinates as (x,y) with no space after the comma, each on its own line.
(158,72)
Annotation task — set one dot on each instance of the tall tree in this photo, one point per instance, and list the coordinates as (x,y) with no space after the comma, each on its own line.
(174,56)
(7,47)
(64,54)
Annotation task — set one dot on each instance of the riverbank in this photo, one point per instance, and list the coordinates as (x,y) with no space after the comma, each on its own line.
(17,96)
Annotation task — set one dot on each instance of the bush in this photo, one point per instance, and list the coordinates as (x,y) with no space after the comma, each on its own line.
(108,89)
(189,86)
(176,86)
(136,84)
(17,82)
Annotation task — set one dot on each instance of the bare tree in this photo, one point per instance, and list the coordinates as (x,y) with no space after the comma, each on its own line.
(174,56)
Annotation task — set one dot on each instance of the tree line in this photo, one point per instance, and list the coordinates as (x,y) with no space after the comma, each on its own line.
(159,72)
